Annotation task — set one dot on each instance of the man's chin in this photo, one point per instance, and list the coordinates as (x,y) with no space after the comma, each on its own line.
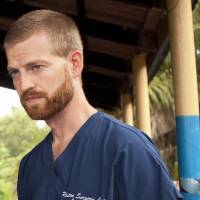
(36,112)
(36,116)
(40,114)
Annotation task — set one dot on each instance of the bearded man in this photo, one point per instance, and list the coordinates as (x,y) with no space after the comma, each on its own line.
(87,155)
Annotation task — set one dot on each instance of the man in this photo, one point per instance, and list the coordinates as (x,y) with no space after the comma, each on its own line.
(87,155)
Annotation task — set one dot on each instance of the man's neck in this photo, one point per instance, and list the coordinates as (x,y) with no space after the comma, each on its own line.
(67,122)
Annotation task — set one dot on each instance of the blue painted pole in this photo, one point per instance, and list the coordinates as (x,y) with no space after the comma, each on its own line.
(188,138)
(186,96)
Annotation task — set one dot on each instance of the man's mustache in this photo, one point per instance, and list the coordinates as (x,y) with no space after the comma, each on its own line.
(32,93)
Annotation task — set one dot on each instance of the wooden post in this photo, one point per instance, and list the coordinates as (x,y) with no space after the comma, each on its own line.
(186,96)
(141,93)
(127,108)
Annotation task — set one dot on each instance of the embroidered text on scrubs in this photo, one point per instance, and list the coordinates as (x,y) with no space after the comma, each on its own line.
(79,196)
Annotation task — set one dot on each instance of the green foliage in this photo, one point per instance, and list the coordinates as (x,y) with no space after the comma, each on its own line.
(7,165)
(18,135)
(160,88)
(196,14)
(18,131)
(5,190)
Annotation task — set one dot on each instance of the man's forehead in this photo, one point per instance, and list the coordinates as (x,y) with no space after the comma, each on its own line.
(38,41)
(40,36)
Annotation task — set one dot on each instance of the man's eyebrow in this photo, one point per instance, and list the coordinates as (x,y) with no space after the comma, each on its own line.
(9,68)
(35,62)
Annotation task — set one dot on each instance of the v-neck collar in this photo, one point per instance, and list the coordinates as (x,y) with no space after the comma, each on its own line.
(75,138)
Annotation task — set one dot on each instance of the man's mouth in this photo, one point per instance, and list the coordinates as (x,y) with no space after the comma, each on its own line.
(32,98)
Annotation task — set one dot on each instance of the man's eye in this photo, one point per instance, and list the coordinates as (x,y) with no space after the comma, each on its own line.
(36,67)
(13,73)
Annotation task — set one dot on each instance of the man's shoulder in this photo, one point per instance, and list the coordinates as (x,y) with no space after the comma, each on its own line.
(123,132)
(128,142)
(123,135)
(36,150)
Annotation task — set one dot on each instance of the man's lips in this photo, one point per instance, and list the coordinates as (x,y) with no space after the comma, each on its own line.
(32,97)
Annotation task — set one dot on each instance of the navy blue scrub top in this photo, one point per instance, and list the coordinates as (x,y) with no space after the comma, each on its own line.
(106,160)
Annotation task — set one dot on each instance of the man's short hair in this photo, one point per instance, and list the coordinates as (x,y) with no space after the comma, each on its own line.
(61,29)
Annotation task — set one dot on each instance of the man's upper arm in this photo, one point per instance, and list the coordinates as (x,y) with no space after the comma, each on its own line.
(141,175)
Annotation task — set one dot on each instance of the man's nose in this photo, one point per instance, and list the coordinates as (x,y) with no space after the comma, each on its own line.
(26,83)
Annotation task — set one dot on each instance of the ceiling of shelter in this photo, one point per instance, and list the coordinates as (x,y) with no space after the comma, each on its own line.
(113,31)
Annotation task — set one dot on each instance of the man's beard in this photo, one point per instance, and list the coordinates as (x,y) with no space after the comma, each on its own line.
(53,104)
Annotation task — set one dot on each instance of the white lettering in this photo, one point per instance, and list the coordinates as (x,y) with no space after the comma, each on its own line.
(79,196)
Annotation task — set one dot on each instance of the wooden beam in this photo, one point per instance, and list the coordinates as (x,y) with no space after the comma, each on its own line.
(153,18)
(108,11)
(148,35)
(5,23)
(99,82)
(112,48)
(107,72)
(114,12)
(66,6)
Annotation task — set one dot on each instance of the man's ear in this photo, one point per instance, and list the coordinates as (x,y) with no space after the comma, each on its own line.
(77,63)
